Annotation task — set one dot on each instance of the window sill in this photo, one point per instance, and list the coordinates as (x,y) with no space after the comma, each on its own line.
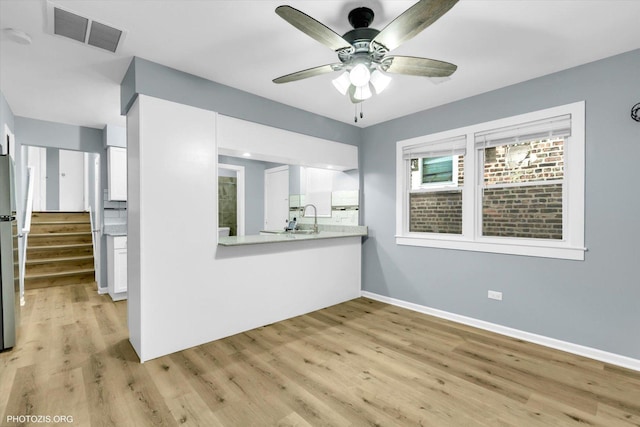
(544,251)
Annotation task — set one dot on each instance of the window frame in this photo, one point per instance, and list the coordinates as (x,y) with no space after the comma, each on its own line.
(572,244)
(438,186)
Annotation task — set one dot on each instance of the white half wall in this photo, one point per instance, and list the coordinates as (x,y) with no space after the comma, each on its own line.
(184,290)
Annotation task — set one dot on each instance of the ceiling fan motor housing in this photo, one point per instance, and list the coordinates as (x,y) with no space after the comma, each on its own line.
(361,17)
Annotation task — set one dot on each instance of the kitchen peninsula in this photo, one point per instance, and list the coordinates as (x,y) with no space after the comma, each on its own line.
(325,232)
(188,286)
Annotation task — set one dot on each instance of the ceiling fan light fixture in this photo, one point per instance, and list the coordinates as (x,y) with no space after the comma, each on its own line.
(359,75)
(379,81)
(342,83)
(363,92)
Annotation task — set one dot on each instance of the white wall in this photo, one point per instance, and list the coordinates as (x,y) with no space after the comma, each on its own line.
(184,290)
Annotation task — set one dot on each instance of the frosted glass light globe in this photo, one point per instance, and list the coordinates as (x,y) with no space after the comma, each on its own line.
(359,75)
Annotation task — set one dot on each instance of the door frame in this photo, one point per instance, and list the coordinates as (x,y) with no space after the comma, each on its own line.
(239,170)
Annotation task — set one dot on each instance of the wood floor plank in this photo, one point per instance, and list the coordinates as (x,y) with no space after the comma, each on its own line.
(359,363)
(67,396)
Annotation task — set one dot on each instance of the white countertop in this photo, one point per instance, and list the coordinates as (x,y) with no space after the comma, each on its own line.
(326,232)
(114,229)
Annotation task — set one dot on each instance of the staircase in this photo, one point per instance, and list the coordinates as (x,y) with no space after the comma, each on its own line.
(59,251)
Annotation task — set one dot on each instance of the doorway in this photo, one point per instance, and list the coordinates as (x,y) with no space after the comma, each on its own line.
(231,202)
(61,180)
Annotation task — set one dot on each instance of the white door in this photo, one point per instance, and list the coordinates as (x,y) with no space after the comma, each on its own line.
(71,181)
(37,162)
(276,198)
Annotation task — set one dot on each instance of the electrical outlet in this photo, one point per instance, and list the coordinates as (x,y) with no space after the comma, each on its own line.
(495,295)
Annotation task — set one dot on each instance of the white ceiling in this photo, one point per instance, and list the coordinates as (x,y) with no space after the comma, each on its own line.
(244,44)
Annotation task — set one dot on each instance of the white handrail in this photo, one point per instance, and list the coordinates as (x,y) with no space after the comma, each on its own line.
(95,240)
(28,210)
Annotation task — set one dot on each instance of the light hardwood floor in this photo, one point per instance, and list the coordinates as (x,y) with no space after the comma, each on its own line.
(361,363)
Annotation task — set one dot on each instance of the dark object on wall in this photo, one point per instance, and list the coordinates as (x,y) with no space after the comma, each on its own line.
(635,112)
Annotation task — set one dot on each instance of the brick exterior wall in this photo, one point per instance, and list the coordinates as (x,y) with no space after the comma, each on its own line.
(437,212)
(533,211)
(530,212)
(543,162)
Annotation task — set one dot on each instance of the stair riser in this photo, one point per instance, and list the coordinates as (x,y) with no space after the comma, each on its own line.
(59,281)
(58,266)
(73,227)
(41,240)
(34,253)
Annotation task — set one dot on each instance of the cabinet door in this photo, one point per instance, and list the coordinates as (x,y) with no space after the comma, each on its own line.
(117,171)
(120,270)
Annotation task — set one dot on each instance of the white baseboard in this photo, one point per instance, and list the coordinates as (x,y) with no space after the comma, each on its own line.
(592,353)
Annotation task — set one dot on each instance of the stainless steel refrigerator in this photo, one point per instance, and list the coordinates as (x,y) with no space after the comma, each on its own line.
(9,279)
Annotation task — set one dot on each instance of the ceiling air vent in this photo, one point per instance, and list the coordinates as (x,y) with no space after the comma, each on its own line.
(69,24)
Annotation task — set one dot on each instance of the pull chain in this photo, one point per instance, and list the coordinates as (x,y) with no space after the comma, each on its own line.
(355,116)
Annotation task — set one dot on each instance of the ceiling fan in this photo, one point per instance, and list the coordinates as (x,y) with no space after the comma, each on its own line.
(363,51)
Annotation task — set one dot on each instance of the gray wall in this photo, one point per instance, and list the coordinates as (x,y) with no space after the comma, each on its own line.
(53,179)
(54,137)
(156,80)
(41,133)
(595,302)
(6,118)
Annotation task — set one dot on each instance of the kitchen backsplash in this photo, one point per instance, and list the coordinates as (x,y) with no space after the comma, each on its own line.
(114,212)
(344,209)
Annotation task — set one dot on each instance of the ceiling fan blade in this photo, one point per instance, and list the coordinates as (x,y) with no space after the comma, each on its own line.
(312,28)
(411,22)
(417,66)
(311,72)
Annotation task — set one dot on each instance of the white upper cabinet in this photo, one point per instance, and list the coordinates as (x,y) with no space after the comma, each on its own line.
(239,138)
(117,173)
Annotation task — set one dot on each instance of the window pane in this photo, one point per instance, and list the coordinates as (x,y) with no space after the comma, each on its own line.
(437,169)
(430,172)
(529,211)
(524,162)
(436,212)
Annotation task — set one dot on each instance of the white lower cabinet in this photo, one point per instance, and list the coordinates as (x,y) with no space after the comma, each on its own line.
(117,267)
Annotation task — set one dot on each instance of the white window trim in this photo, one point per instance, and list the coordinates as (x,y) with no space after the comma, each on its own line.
(570,247)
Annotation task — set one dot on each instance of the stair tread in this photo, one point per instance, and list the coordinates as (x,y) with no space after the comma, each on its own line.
(59,222)
(73,233)
(59,250)
(69,246)
(59,273)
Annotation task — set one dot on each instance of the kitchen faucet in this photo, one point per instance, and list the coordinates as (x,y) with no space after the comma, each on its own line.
(315,216)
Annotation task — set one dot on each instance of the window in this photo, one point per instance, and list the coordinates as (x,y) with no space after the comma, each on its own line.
(435,197)
(513,186)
